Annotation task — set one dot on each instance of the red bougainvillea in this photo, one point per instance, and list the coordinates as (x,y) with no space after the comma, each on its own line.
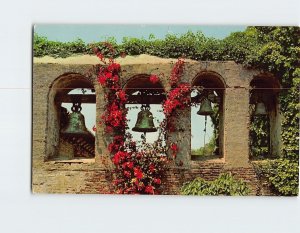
(154,79)
(174,149)
(176,72)
(178,97)
(138,169)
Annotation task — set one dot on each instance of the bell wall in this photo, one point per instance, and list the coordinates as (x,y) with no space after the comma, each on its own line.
(94,175)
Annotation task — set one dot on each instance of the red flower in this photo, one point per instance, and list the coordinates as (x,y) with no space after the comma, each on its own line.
(110,147)
(116,182)
(151,168)
(130,165)
(94,128)
(177,72)
(102,80)
(127,165)
(127,174)
(100,55)
(140,185)
(139,155)
(114,67)
(115,78)
(138,173)
(154,79)
(178,97)
(108,75)
(119,156)
(122,95)
(108,129)
(149,189)
(157,181)
(174,149)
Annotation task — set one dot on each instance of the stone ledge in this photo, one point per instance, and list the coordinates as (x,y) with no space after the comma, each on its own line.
(213,161)
(72,161)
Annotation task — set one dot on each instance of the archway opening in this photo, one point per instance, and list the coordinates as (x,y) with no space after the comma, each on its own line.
(71,118)
(265,127)
(144,106)
(207,116)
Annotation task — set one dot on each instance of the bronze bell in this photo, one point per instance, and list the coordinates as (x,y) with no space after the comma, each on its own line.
(260,109)
(144,121)
(76,125)
(205,108)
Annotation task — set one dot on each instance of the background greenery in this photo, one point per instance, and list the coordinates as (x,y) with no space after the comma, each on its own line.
(206,150)
(273,49)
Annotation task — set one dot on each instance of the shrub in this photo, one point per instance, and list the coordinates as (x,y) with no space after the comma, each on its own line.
(225,184)
(283,174)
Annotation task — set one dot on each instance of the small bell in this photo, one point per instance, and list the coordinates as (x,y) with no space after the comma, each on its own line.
(205,108)
(260,109)
(144,121)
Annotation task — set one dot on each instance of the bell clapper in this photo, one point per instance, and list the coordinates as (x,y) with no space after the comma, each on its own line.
(205,110)
(143,137)
(205,122)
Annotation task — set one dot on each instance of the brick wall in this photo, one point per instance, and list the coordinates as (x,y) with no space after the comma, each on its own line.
(94,176)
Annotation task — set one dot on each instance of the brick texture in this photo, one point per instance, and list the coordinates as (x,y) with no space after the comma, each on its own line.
(94,175)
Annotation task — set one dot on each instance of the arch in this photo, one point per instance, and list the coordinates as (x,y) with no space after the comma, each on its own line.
(68,81)
(61,86)
(265,88)
(265,80)
(211,85)
(140,82)
(142,92)
(211,79)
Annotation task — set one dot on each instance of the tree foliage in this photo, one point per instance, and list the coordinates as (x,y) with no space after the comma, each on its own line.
(206,150)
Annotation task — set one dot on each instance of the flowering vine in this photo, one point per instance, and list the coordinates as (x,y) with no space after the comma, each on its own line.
(178,97)
(177,72)
(154,79)
(138,170)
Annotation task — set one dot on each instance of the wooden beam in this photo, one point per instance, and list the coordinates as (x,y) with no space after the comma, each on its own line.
(195,99)
(198,99)
(150,99)
(132,99)
(90,99)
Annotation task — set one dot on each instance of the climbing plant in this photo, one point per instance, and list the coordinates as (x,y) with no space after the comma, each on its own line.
(138,169)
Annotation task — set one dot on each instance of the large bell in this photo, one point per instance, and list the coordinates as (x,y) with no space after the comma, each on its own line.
(144,121)
(260,109)
(205,108)
(76,125)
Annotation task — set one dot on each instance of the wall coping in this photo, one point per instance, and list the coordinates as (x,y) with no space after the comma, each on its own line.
(128,60)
